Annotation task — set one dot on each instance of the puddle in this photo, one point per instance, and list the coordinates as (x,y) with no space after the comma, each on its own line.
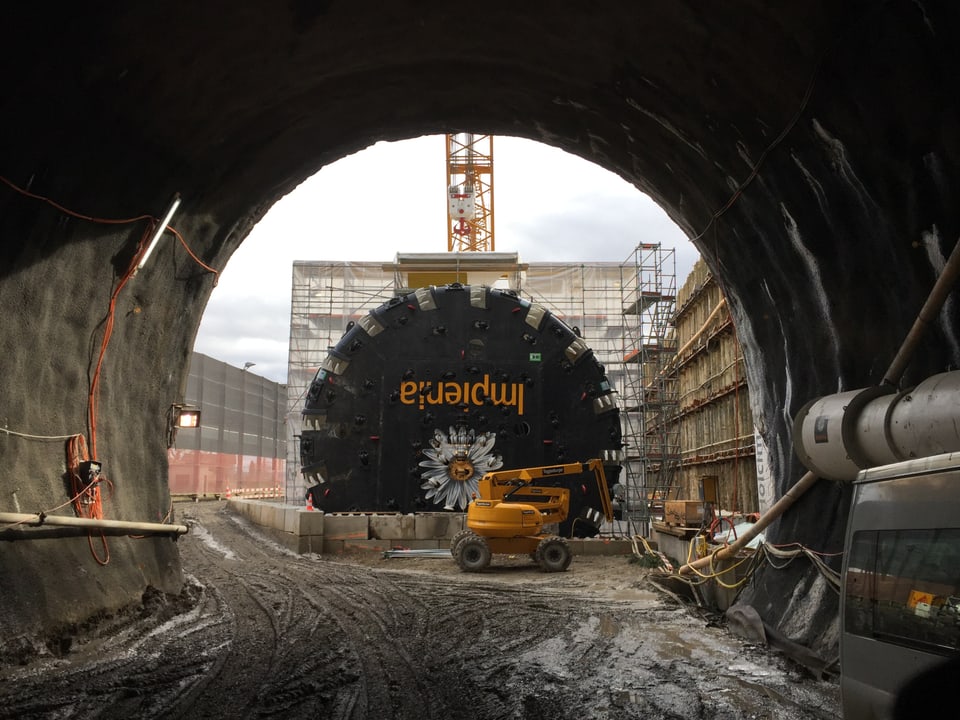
(608,627)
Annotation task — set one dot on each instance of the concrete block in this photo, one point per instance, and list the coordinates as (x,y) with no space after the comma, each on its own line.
(285,539)
(372,546)
(434,525)
(606,547)
(346,527)
(309,523)
(309,544)
(391,527)
(273,516)
(673,547)
(290,522)
(290,542)
(332,547)
(266,514)
(299,522)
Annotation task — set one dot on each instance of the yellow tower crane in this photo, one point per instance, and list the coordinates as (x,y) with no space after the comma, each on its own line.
(470,193)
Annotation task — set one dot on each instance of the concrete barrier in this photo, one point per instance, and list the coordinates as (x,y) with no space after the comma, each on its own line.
(393,527)
(438,525)
(305,531)
(346,527)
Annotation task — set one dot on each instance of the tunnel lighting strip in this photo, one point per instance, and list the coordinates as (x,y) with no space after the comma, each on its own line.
(174,204)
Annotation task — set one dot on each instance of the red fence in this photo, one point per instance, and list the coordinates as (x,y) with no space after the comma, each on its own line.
(198,472)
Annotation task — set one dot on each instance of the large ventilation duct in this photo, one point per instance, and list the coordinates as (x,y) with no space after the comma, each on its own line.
(838,435)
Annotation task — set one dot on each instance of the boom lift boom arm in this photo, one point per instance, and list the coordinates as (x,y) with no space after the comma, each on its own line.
(521,485)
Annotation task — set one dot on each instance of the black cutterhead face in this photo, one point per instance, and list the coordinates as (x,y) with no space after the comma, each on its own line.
(432,389)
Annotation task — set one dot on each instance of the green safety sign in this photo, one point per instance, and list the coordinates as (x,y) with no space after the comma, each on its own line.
(534,357)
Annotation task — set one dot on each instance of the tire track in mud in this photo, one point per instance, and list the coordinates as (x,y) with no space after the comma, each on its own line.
(265,633)
(413,666)
(477,646)
(391,684)
(127,668)
(301,668)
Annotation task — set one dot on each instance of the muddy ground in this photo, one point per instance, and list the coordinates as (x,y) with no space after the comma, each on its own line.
(260,632)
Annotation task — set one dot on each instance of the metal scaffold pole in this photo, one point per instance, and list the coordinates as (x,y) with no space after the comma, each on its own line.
(650,397)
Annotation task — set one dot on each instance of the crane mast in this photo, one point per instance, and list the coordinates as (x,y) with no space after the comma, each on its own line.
(470,193)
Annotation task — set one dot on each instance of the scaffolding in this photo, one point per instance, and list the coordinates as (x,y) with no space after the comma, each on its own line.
(325,298)
(624,311)
(649,395)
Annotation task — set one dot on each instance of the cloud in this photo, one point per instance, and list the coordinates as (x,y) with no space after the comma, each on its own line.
(248,329)
(550,206)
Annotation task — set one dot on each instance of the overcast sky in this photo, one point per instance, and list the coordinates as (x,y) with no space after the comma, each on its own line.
(549,206)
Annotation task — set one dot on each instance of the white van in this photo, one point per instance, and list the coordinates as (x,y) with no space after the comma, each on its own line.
(901,582)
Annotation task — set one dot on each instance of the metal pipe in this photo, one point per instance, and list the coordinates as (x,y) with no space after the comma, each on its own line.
(779,507)
(928,314)
(38,520)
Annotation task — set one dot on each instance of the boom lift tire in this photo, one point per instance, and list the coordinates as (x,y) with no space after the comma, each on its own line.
(473,554)
(553,554)
(457,538)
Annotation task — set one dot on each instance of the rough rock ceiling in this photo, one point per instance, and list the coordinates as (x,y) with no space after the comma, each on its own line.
(811,149)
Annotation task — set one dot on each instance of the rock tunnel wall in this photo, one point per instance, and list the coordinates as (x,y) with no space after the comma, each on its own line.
(810,150)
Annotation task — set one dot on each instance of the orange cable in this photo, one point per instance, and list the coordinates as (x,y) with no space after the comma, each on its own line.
(216,274)
(106,549)
(67,211)
(107,332)
(87,500)
(77,451)
(755,170)
(110,221)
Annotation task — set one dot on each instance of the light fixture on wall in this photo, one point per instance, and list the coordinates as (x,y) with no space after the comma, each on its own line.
(158,232)
(181,416)
(188,417)
(247,365)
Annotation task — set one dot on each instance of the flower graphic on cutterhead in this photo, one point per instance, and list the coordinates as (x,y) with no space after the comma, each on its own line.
(455,464)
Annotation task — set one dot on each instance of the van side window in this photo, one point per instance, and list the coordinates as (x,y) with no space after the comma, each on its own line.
(903,587)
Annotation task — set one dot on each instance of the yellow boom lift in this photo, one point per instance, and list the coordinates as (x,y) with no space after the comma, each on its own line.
(511,508)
